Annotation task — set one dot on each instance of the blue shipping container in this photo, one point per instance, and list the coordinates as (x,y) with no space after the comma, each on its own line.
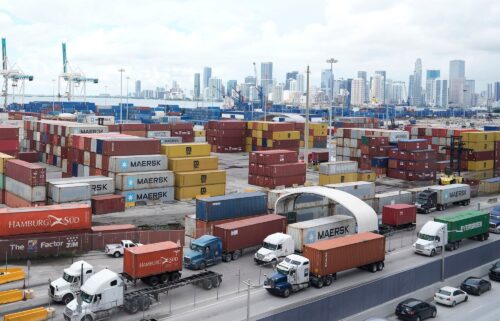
(231,206)
(380,161)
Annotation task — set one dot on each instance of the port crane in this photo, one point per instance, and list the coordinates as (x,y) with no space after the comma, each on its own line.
(73,79)
(13,74)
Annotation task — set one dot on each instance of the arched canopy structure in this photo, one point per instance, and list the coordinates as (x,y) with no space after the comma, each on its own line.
(366,218)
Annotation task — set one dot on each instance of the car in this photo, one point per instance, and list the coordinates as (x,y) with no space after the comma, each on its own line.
(495,220)
(450,296)
(495,272)
(415,310)
(475,286)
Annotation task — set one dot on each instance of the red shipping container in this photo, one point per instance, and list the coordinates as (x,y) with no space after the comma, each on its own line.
(272,157)
(181,126)
(420,166)
(413,144)
(419,155)
(226,141)
(14,201)
(393,163)
(227,124)
(2,196)
(396,173)
(103,204)
(152,260)
(227,149)
(132,127)
(399,215)
(203,227)
(157,127)
(114,228)
(113,128)
(9,145)
(24,172)
(420,176)
(226,132)
(286,181)
(134,146)
(8,132)
(30,157)
(478,156)
(279,127)
(280,170)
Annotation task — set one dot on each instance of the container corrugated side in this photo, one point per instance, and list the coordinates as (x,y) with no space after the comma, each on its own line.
(144,180)
(465,224)
(73,192)
(185,150)
(140,163)
(231,206)
(99,185)
(152,259)
(165,194)
(31,194)
(190,192)
(188,164)
(341,167)
(185,179)
(362,190)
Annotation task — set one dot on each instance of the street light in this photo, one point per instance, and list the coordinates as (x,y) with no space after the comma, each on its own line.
(127,96)
(330,61)
(121,70)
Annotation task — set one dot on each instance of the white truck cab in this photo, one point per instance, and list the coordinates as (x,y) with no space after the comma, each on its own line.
(65,288)
(431,239)
(116,250)
(100,297)
(275,247)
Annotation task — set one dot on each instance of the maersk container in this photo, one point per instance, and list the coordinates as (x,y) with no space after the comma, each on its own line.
(30,194)
(465,224)
(73,192)
(99,185)
(165,194)
(362,190)
(144,180)
(391,198)
(231,206)
(447,194)
(324,228)
(139,163)
(342,167)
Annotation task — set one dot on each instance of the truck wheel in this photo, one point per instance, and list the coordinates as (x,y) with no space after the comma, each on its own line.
(207,284)
(433,252)
(216,282)
(439,208)
(236,255)
(202,266)
(328,281)
(154,280)
(87,318)
(175,276)
(132,306)
(117,254)
(226,257)
(67,298)
(320,283)
(380,266)
(286,293)
(164,278)
(373,267)
(144,303)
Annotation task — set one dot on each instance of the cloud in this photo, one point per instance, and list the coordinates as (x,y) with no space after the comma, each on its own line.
(162,41)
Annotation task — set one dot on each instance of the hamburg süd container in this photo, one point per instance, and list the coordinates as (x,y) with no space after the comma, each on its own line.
(152,259)
(144,180)
(231,206)
(138,163)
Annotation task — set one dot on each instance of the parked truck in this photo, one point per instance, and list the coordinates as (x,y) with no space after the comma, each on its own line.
(438,197)
(65,288)
(274,248)
(449,230)
(321,261)
(230,239)
(117,250)
(398,217)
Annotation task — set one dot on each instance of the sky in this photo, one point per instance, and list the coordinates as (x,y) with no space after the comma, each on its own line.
(161,41)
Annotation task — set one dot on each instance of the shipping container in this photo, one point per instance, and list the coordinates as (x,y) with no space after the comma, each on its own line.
(3,161)
(362,190)
(271,157)
(165,194)
(465,224)
(196,228)
(319,229)
(250,232)
(160,260)
(185,150)
(24,172)
(99,185)
(131,146)
(71,192)
(189,164)
(337,178)
(44,219)
(231,206)
(280,170)
(114,228)
(391,198)
(186,179)
(341,167)
(29,193)
(144,180)
(140,163)
(399,215)
(191,192)
(104,204)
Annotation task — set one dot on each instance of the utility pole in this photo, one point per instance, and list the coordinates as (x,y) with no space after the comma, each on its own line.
(121,70)
(127,97)
(330,61)
(306,133)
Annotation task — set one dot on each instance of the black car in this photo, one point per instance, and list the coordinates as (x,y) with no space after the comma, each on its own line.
(415,310)
(495,272)
(475,286)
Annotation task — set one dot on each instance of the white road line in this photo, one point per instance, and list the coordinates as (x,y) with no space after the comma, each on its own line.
(477,308)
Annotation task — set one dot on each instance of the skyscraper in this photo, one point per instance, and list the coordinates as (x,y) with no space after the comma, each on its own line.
(376,89)
(358,91)
(416,98)
(137,88)
(207,74)
(301,83)
(289,76)
(215,88)
(444,93)
(266,76)
(382,73)
(496,91)
(431,90)
(278,93)
(250,80)
(470,93)
(457,83)
(197,89)
(231,84)
(363,75)
(327,82)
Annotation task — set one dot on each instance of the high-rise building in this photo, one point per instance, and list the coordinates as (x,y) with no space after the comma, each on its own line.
(489,93)
(277,93)
(215,88)
(444,93)
(358,91)
(416,97)
(496,91)
(266,76)
(430,88)
(250,80)
(289,76)
(383,74)
(397,92)
(327,82)
(197,88)
(137,88)
(457,83)
(348,92)
(300,83)
(207,74)
(376,89)
(411,80)
(231,84)
(470,93)
(363,75)
(437,91)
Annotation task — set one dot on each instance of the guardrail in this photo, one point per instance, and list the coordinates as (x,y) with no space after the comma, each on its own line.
(11,275)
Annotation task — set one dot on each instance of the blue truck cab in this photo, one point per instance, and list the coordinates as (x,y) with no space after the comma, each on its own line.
(495,220)
(291,275)
(204,251)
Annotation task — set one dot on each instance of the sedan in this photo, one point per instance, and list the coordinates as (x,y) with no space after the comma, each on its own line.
(495,272)
(450,296)
(475,286)
(415,310)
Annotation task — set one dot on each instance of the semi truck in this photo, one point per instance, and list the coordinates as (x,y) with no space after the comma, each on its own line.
(398,217)
(448,231)
(438,197)
(274,248)
(65,288)
(321,261)
(230,239)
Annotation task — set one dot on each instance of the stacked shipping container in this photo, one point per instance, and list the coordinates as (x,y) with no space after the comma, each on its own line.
(24,184)
(317,134)
(338,172)
(263,135)
(3,161)
(226,136)
(276,168)
(9,139)
(413,161)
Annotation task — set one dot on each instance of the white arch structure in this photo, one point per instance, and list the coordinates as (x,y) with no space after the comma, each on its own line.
(366,217)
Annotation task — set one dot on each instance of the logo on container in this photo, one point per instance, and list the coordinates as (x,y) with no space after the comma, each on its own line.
(124,164)
(50,221)
(130,182)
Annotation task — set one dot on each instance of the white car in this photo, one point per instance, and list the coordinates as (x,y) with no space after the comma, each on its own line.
(450,296)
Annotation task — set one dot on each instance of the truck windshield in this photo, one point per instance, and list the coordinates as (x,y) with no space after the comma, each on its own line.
(285,272)
(270,246)
(426,237)
(68,278)
(86,297)
(421,200)
(196,247)
(495,217)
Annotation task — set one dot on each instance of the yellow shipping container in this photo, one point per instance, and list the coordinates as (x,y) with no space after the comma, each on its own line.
(259,141)
(286,135)
(248,140)
(248,148)
(257,133)
(480,165)
(337,178)
(3,159)
(497,136)
(480,146)
(367,176)
(189,164)
(302,144)
(489,187)
(185,179)
(200,133)
(320,132)
(186,150)
(188,193)
(478,136)
(317,126)
(28,315)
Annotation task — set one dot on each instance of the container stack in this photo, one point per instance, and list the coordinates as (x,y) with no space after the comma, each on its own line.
(212,211)
(374,156)
(138,130)
(263,135)
(338,172)
(9,139)
(184,130)
(24,184)
(357,122)
(391,198)
(200,134)
(413,161)
(196,172)
(226,136)
(276,168)
(3,161)
(318,134)
(480,160)
(78,189)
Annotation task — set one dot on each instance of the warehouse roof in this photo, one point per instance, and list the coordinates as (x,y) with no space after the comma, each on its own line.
(366,218)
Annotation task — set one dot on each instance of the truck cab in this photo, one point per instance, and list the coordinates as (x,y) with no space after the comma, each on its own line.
(275,247)
(100,297)
(495,220)
(204,251)
(431,239)
(116,250)
(426,201)
(291,275)
(65,288)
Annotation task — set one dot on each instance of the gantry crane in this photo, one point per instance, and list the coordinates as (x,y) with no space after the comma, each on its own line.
(12,74)
(73,79)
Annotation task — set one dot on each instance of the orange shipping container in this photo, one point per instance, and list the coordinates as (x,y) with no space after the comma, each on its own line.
(45,219)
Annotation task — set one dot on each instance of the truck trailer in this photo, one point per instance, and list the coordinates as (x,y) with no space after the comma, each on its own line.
(438,197)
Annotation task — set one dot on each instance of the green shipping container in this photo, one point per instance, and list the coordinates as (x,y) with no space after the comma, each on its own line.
(465,224)
(2,181)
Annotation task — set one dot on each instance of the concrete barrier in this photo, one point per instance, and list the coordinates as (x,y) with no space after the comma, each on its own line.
(11,296)
(37,314)
(11,275)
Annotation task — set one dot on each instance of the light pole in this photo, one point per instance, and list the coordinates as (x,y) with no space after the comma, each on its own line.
(330,61)
(121,70)
(306,131)
(53,94)
(126,117)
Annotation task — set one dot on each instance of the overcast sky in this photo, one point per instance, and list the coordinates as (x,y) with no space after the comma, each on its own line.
(161,41)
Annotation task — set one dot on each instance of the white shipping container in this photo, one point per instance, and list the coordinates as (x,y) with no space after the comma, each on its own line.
(99,185)
(362,190)
(390,198)
(338,167)
(93,119)
(139,163)
(190,225)
(202,139)
(158,134)
(70,192)
(144,180)
(397,135)
(149,195)
(29,193)
(324,228)
(171,140)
